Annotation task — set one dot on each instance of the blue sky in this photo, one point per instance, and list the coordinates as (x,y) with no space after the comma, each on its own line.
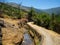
(39,4)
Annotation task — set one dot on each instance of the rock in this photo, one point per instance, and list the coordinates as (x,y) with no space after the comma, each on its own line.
(0,40)
(11,37)
(12,34)
(1,23)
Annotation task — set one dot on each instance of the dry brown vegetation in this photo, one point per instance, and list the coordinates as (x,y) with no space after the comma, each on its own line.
(12,34)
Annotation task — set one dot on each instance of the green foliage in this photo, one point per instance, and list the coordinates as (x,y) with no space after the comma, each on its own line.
(45,20)
(42,19)
(31,14)
(11,11)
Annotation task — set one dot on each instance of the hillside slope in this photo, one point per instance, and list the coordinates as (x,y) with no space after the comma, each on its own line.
(53,10)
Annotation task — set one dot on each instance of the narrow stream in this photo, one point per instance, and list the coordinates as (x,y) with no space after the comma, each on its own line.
(27,39)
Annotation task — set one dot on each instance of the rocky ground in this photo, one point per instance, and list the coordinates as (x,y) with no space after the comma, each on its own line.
(11,33)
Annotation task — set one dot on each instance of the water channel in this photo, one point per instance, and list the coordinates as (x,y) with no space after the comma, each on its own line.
(27,39)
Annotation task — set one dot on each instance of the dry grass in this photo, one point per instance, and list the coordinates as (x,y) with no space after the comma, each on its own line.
(11,36)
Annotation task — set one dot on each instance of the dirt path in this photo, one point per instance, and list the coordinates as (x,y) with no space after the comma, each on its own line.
(48,37)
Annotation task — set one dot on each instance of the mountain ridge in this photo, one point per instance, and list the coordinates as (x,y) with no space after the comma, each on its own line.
(55,10)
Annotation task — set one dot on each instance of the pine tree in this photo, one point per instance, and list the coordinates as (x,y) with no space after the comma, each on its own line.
(31,13)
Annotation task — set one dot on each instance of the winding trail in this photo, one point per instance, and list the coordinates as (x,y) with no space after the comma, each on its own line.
(47,38)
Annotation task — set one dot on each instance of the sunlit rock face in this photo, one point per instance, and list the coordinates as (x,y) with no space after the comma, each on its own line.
(11,37)
(11,34)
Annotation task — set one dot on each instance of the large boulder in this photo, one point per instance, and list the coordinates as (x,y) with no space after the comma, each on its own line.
(11,37)
(22,22)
